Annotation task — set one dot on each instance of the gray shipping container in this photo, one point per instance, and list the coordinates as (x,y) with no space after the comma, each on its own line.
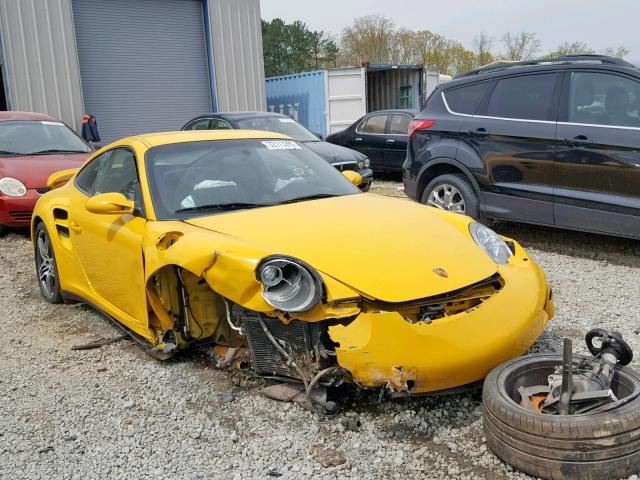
(327,101)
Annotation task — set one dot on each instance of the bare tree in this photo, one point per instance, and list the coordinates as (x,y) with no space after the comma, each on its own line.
(575,48)
(369,39)
(616,52)
(520,46)
(482,47)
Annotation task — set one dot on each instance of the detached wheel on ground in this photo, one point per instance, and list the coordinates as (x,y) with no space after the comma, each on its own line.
(451,192)
(604,445)
(46,267)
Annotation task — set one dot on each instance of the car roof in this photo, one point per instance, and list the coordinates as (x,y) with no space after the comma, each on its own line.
(396,110)
(238,115)
(27,116)
(539,66)
(165,138)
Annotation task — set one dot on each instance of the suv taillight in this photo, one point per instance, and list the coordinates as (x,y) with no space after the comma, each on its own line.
(416,125)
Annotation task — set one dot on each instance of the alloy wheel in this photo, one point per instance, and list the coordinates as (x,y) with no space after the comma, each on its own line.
(46,265)
(446,197)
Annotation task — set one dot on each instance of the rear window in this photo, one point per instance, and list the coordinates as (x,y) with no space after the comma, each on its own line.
(528,97)
(374,124)
(399,124)
(466,99)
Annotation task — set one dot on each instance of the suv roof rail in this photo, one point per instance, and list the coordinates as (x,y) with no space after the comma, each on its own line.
(585,58)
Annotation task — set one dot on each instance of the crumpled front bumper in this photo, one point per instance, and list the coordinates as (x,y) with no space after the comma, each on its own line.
(384,350)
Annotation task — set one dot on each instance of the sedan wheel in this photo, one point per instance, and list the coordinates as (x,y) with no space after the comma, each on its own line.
(46,266)
(446,197)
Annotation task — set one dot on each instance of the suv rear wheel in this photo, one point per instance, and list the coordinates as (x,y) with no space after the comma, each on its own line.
(451,192)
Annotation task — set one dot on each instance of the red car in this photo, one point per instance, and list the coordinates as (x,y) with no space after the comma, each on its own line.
(32,147)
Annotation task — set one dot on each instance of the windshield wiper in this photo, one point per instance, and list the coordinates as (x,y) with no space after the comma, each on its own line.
(13,154)
(310,197)
(55,150)
(223,207)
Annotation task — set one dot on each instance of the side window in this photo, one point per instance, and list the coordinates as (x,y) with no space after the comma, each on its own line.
(466,99)
(604,99)
(118,174)
(399,124)
(373,124)
(86,178)
(202,124)
(527,97)
(217,124)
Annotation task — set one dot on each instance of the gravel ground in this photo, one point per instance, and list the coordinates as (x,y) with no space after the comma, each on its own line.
(115,413)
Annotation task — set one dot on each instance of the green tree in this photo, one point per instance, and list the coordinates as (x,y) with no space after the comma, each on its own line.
(292,47)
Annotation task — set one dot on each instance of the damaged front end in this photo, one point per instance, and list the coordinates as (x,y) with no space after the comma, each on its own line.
(290,322)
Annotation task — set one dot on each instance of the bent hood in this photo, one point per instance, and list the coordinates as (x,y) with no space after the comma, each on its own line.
(34,170)
(385,248)
(335,153)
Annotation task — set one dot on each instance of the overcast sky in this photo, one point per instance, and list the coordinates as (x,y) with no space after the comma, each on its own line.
(599,24)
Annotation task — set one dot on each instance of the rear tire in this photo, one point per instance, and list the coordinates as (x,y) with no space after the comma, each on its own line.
(452,192)
(590,446)
(46,267)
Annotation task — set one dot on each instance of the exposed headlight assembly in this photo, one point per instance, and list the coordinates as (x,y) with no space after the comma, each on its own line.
(12,187)
(360,164)
(288,284)
(367,162)
(490,242)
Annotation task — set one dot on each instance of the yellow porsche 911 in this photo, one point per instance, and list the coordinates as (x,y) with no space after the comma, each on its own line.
(251,244)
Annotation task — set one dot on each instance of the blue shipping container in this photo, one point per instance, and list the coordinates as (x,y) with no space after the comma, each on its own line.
(302,97)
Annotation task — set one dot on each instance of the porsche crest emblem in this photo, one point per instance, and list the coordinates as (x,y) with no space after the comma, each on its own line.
(441,272)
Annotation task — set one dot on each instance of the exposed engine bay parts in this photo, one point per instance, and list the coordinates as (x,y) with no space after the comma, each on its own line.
(567,416)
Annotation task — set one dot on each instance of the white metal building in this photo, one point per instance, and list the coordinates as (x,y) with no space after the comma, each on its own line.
(137,65)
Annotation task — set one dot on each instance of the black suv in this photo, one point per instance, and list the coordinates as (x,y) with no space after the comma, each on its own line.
(552,142)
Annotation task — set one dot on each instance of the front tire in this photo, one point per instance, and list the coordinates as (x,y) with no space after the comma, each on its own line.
(46,268)
(594,446)
(452,192)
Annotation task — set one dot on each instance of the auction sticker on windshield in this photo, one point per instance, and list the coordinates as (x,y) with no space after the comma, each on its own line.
(281,145)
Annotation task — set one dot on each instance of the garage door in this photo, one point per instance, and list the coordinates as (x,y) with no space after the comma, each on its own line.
(143,64)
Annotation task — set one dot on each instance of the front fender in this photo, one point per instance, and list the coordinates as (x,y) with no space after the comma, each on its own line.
(228,265)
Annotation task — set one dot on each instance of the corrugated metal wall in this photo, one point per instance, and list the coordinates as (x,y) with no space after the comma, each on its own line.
(143,64)
(302,97)
(383,88)
(236,35)
(41,66)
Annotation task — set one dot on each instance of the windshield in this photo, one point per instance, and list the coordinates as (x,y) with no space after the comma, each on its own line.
(284,125)
(38,138)
(202,178)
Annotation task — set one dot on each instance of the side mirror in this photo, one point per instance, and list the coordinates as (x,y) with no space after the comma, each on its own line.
(58,179)
(110,203)
(353,177)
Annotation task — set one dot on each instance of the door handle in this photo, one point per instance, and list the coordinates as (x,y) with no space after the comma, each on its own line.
(479,132)
(579,140)
(75,226)
(358,139)
(391,140)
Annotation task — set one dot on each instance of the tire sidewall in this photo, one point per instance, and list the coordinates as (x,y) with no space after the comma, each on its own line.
(494,391)
(57,295)
(472,205)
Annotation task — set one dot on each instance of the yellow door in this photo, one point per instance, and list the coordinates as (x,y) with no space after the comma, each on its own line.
(109,246)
